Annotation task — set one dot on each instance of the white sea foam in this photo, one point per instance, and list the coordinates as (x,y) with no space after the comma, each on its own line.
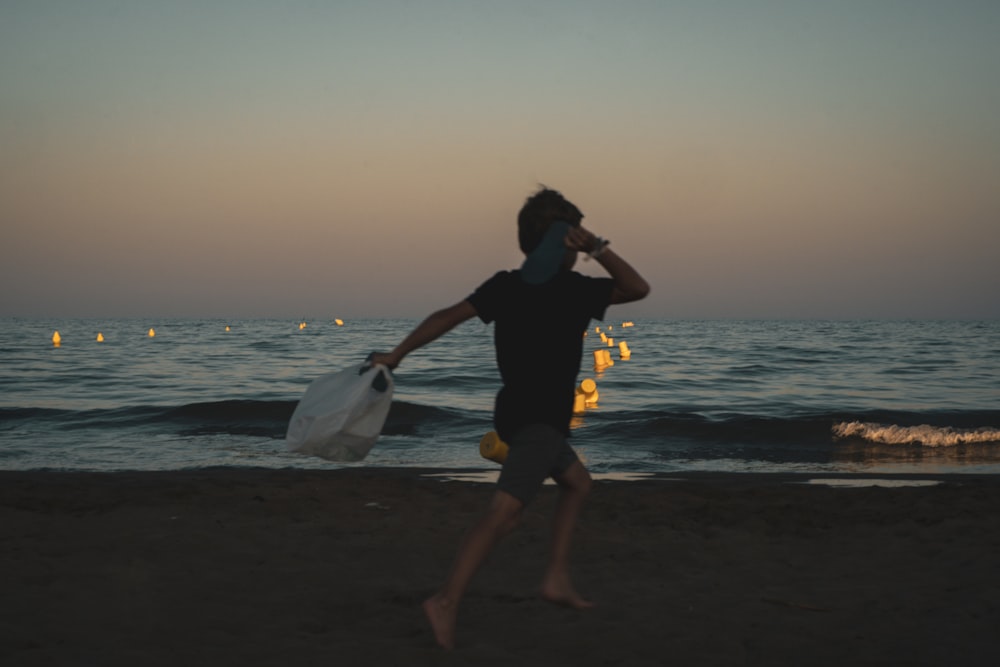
(928,436)
(859,482)
(491,476)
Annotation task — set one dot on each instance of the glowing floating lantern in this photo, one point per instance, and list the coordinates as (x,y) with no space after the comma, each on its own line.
(623,351)
(151,332)
(339,322)
(493,448)
(302,325)
(227,327)
(100,337)
(56,339)
(588,389)
(611,342)
(579,404)
(604,338)
(602,359)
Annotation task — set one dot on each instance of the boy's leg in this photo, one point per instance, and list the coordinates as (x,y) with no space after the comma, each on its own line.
(441,608)
(574,485)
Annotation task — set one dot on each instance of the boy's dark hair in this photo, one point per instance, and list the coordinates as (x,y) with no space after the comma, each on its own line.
(539,212)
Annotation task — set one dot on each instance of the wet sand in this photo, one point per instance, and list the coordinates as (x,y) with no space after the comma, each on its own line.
(268,567)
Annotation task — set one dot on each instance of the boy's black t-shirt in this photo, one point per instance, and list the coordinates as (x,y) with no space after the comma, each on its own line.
(538,335)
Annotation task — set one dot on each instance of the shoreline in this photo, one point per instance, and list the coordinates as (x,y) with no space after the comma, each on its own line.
(487,473)
(257,566)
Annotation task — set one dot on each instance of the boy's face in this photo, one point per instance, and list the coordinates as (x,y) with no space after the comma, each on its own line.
(569,261)
(568,212)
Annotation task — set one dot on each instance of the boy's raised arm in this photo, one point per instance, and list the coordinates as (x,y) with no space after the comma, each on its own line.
(629,285)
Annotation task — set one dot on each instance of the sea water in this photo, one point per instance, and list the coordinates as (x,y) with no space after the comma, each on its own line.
(796,396)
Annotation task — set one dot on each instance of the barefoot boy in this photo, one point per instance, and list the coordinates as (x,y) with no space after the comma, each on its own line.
(541,312)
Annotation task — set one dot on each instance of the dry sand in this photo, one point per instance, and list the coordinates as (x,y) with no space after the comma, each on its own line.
(264,567)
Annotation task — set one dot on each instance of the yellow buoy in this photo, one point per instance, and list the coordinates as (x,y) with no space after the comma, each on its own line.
(602,359)
(151,332)
(493,448)
(56,339)
(100,337)
(588,389)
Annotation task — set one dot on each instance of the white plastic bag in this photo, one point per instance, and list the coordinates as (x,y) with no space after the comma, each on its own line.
(341,414)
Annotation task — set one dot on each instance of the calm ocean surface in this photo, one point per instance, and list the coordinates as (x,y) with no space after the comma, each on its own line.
(804,396)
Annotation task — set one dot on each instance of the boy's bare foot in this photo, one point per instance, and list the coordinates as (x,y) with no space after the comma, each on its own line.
(559,590)
(441,614)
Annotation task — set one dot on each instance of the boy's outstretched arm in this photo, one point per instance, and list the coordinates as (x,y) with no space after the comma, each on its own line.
(629,285)
(436,325)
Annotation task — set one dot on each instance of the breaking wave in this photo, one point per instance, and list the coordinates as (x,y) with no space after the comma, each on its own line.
(924,434)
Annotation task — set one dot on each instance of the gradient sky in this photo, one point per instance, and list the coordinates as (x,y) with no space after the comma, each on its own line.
(353,159)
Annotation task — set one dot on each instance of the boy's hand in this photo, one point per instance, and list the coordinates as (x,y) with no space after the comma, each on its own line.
(386,359)
(581,239)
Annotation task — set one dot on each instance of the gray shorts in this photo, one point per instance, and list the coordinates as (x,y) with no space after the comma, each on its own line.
(535,452)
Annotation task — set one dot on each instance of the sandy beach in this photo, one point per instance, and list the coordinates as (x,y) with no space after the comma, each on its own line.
(267,567)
